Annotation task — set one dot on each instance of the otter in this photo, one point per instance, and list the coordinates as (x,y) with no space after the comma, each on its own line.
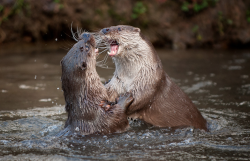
(83,91)
(138,69)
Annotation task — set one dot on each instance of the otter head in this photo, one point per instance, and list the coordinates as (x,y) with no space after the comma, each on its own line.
(80,59)
(77,65)
(121,39)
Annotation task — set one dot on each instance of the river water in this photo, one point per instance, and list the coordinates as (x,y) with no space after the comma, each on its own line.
(32,110)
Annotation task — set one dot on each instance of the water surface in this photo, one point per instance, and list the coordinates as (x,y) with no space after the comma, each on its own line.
(32,111)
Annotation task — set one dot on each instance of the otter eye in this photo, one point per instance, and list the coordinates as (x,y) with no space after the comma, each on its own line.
(86,48)
(81,48)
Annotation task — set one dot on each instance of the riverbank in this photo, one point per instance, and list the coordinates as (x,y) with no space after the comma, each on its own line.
(178,24)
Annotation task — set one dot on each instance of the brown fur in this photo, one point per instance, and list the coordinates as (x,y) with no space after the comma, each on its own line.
(157,99)
(83,92)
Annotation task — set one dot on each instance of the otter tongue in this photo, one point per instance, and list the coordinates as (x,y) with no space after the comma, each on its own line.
(113,49)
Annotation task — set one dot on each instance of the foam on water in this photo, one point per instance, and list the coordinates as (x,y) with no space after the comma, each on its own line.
(34,135)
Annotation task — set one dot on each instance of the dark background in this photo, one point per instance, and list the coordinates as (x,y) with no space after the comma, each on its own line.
(177,24)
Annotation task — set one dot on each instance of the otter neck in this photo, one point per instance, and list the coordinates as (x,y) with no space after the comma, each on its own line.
(90,93)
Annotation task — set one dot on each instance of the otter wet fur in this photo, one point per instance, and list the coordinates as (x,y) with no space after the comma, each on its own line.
(138,69)
(83,92)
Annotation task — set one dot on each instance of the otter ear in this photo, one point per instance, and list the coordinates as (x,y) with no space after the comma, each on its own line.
(137,30)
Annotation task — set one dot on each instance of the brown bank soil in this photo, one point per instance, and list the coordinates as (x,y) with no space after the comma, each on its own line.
(177,24)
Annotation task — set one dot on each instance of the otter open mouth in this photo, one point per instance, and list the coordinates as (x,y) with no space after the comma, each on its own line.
(113,48)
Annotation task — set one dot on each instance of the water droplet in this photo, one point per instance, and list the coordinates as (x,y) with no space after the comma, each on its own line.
(4,91)
(57,87)
(56,39)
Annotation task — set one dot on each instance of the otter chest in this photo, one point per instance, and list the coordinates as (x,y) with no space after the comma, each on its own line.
(124,84)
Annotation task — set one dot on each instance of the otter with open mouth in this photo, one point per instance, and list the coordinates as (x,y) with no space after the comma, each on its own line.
(157,99)
(83,92)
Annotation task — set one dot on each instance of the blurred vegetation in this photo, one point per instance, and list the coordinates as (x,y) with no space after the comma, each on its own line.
(18,8)
(195,30)
(138,9)
(197,5)
(248,15)
(176,24)
(60,3)
(223,23)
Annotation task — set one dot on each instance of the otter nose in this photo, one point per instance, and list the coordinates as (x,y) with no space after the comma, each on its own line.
(105,30)
(86,36)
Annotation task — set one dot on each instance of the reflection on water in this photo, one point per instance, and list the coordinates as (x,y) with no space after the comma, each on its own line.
(32,111)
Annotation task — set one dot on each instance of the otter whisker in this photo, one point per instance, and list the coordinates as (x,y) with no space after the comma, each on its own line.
(73,34)
(64,48)
(104,59)
(125,37)
(67,46)
(103,51)
(80,32)
(99,55)
(69,36)
(102,47)
(103,63)
(77,31)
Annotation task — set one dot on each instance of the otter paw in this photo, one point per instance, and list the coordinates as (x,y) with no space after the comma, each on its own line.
(125,100)
(106,105)
(103,103)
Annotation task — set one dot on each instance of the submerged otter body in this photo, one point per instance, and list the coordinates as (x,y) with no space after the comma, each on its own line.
(157,99)
(83,92)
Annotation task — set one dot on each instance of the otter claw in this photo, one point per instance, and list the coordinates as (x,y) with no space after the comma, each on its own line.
(102,103)
(107,107)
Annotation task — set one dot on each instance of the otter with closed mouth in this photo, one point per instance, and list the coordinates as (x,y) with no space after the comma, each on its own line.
(83,92)
(138,69)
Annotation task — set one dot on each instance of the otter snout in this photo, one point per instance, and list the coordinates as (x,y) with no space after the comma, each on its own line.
(86,37)
(105,30)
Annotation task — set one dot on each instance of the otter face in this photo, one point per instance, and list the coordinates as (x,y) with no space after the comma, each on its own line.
(120,38)
(79,60)
(81,56)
